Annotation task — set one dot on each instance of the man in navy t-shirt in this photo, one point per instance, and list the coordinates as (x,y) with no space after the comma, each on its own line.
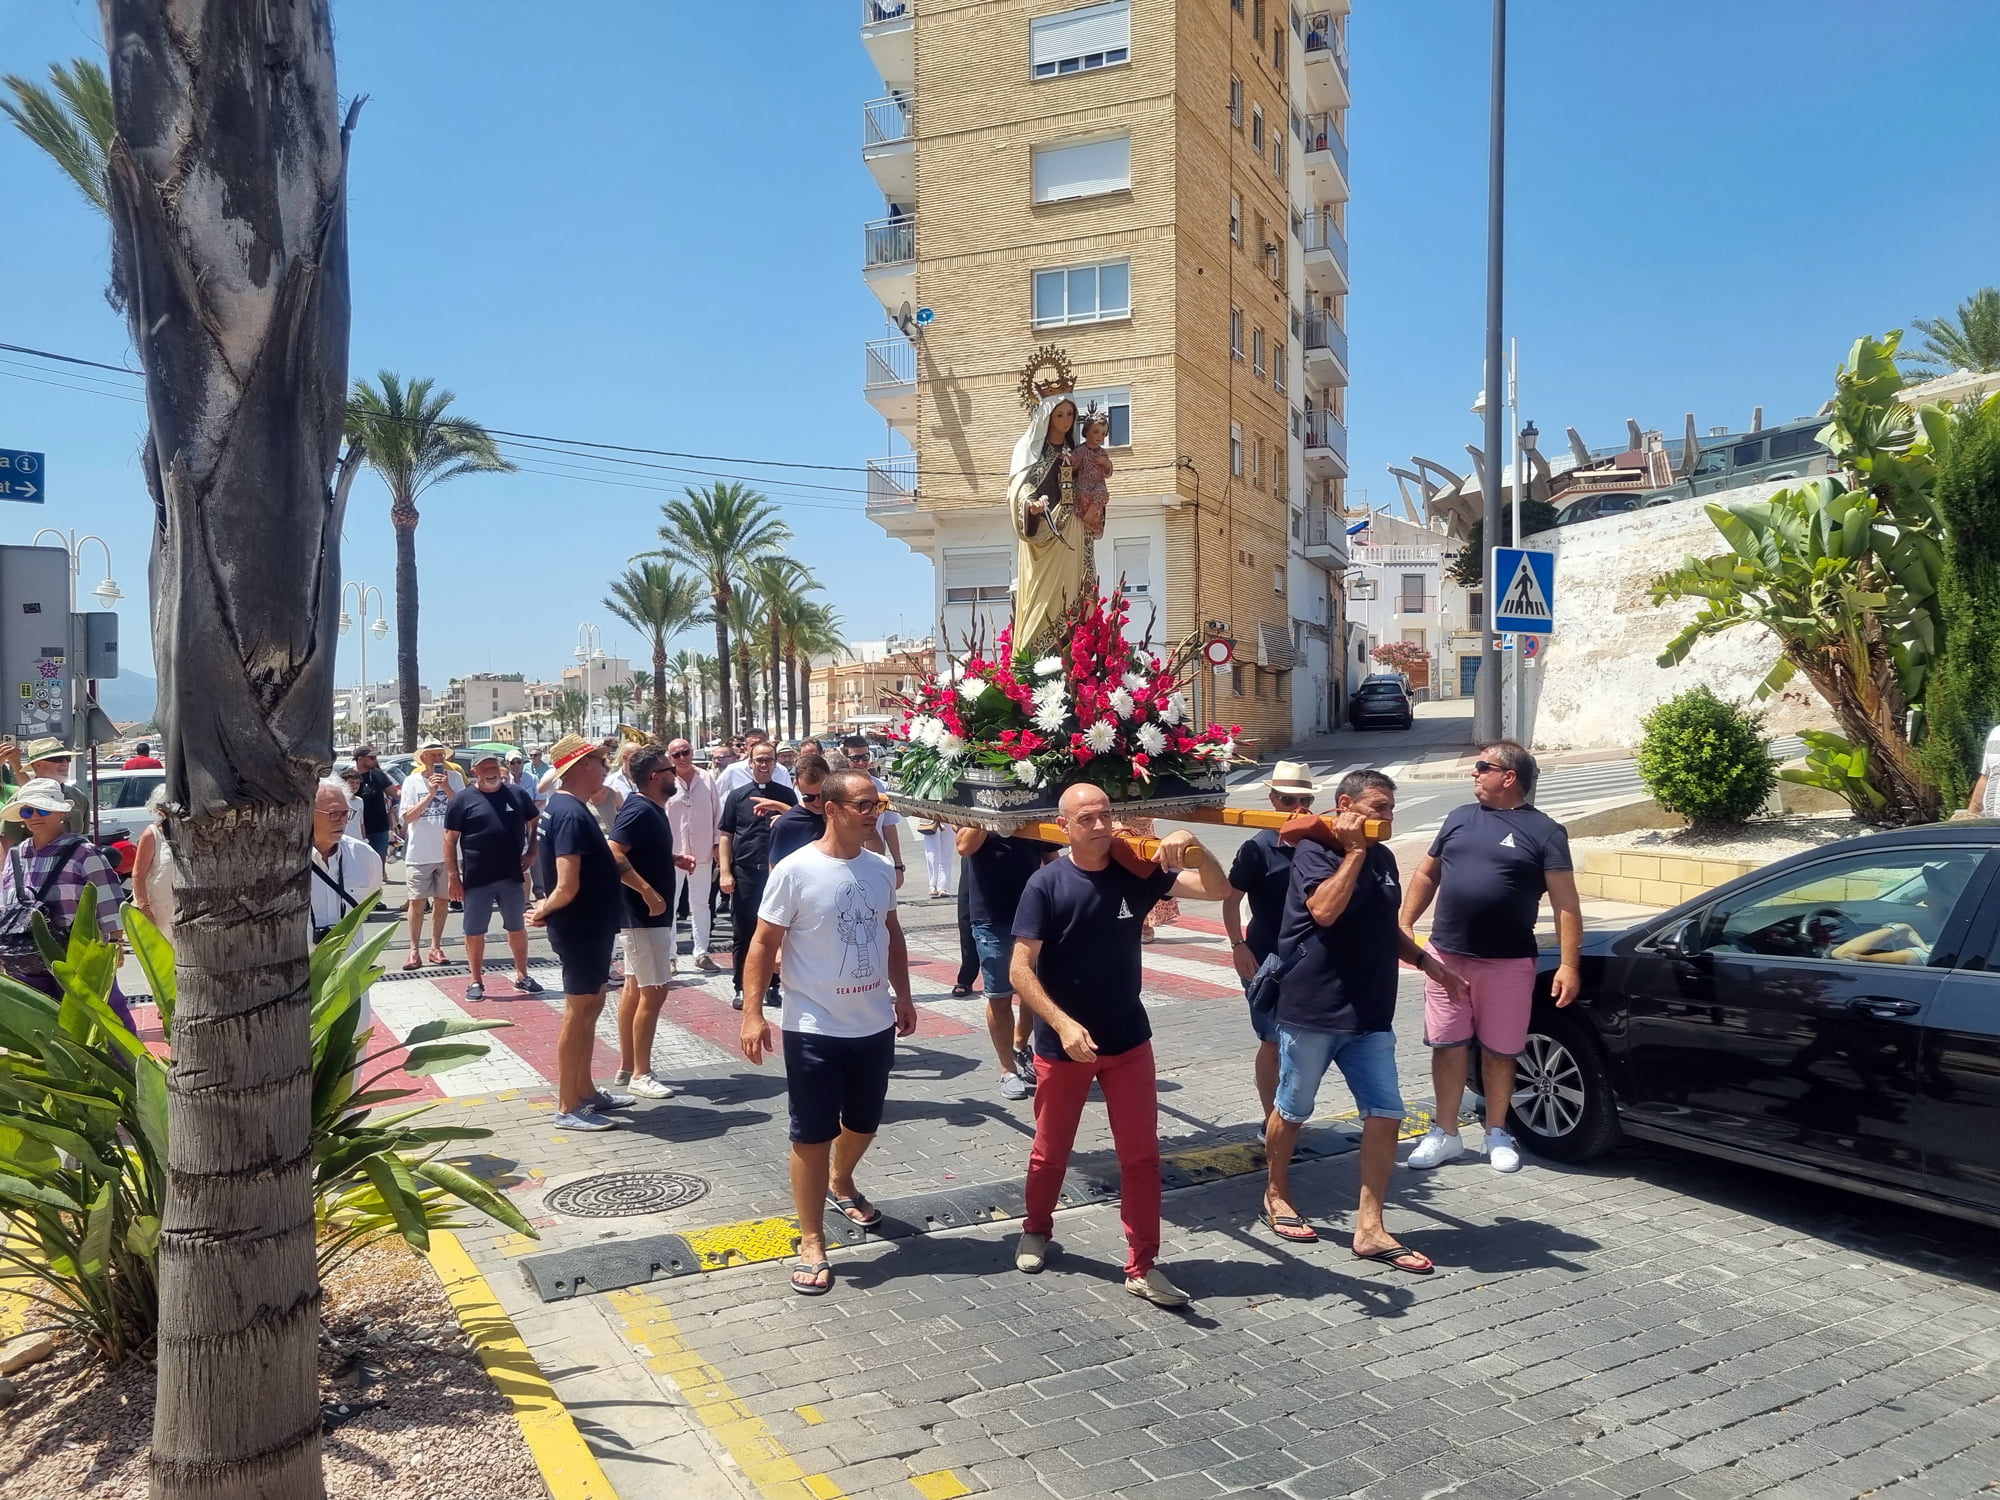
(1077,966)
(1337,1003)
(642,840)
(1262,873)
(489,843)
(1489,867)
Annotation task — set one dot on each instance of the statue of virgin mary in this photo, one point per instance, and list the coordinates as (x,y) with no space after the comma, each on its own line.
(1052,553)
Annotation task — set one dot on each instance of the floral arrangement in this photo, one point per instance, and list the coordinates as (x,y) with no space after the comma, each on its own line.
(1100,710)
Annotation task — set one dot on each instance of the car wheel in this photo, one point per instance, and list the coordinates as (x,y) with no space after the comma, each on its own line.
(1562,1106)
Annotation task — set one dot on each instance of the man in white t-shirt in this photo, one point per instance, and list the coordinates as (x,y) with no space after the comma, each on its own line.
(1985,799)
(427,794)
(831,908)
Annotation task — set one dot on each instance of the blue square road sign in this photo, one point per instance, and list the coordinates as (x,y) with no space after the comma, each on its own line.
(1526,600)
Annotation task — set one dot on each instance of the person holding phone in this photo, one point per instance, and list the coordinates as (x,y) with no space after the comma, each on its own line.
(426,799)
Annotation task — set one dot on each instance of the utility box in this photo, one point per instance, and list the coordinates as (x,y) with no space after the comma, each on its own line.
(100,645)
(35,643)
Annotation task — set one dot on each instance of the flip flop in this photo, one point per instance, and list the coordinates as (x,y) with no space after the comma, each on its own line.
(811,1286)
(1392,1256)
(1287,1227)
(857,1210)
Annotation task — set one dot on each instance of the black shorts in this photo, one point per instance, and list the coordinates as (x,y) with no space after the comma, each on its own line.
(586,957)
(837,1081)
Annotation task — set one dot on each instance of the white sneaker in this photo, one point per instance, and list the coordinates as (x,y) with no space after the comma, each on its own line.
(1435,1149)
(622,1077)
(646,1086)
(1501,1152)
(1155,1288)
(1032,1253)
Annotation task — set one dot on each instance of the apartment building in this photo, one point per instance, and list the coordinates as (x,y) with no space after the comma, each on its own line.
(1157,187)
(861,687)
(485,696)
(1398,589)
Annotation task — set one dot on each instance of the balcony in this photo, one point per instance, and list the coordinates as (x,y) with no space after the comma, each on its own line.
(1326,536)
(889,379)
(889,259)
(889,145)
(1326,61)
(1326,158)
(1325,445)
(1325,349)
(889,32)
(1326,255)
(892,500)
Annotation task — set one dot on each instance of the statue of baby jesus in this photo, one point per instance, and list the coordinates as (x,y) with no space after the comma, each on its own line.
(1090,467)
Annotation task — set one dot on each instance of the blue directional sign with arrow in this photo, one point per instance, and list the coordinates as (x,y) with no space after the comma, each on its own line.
(1527,598)
(21,475)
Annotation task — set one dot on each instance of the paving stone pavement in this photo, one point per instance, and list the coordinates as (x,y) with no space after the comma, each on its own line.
(1650,1324)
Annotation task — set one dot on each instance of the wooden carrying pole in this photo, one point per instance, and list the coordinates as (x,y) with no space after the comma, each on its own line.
(1376,829)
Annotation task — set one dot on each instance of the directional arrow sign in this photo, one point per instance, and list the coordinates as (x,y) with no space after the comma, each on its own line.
(21,475)
(1527,599)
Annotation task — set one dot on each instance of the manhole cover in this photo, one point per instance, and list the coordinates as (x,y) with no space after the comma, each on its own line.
(618,1195)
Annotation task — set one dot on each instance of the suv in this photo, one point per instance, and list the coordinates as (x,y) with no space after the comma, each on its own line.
(121,800)
(1834,1016)
(1381,702)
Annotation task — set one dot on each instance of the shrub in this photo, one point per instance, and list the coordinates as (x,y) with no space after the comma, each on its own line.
(1401,656)
(83,1131)
(1705,759)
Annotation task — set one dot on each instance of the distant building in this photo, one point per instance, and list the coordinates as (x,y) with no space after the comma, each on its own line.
(485,696)
(861,687)
(1398,590)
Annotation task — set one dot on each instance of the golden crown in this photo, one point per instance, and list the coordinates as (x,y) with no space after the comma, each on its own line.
(1048,357)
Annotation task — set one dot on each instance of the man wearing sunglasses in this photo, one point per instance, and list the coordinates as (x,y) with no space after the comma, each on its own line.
(1489,866)
(694,811)
(1262,873)
(49,759)
(861,757)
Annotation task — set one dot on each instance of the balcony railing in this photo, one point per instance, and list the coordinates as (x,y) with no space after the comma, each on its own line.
(888,122)
(1323,234)
(1323,134)
(890,361)
(873,12)
(1323,331)
(892,481)
(1322,35)
(889,242)
(1323,528)
(1325,430)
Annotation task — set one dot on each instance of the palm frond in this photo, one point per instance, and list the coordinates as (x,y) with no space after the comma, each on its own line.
(71,121)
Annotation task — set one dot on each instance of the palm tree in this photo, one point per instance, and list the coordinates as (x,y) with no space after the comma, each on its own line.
(719,530)
(572,707)
(1969,340)
(682,672)
(746,613)
(659,603)
(709,680)
(618,698)
(72,120)
(779,581)
(816,632)
(408,440)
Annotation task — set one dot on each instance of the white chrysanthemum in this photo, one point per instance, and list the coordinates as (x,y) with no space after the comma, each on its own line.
(972,689)
(1050,720)
(1152,739)
(1048,666)
(1176,709)
(1121,703)
(1134,682)
(1100,736)
(924,730)
(1026,773)
(950,746)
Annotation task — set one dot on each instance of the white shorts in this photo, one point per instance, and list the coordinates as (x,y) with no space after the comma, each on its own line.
(649,955)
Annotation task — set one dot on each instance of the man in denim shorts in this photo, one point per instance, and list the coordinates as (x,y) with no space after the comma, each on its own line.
(996,872)
(1337,1003)
(1489,866)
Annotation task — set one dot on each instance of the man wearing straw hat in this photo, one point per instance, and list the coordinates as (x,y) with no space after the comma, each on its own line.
(50,758)
(1262,873)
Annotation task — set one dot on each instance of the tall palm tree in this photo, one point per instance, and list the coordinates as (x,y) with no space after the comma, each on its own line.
(659,603)
(1968,340)
(682,671)
(412,444)
(72,120)
(572,707)
(617,698)
(746,613)
(814,631)
(719,530)
(778,580)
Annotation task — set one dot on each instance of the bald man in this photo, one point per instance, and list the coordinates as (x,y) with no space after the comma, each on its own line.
(1076,965)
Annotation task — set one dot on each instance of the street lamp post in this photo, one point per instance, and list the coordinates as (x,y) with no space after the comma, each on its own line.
(589,648)
(1524,446)
(107,593)
(1486,688)
(379,629)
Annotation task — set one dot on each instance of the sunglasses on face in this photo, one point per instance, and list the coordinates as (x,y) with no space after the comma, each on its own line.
(1300,801)
(1485,767)
(809,796)
(679,754)
(872,805)
(38,812)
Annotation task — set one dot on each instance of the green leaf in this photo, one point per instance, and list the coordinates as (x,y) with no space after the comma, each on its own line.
(142,1236)
(464,1186)
(150,1106)
(26,1152)
(431,1031)
(399,1192)
(156,958)
(442,1057)
(97,1227)
(23,1191)
(85,1152)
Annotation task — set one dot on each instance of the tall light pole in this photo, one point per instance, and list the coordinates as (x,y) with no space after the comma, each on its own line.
(82,694)
(589,648)
(1525,439)
(1486,698)
(380,628)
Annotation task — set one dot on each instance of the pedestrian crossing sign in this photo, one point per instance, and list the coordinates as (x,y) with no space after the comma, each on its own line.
(1528,590)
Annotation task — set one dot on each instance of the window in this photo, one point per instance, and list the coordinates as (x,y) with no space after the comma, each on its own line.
(1257,461)
(1257,351)
(1115,401)
(1235,680)
(1411,601)
(1236,449)
(1132,560)
(973,577)
(1298,423)
(1475,606)
(1083,294)
(1792,444)
(1236,332)
(1818,911)
(1257,19)
(1235,220)
(1298,323)
(1258,683)
(1257,127)
(1278,157)
(1281,354)
(1298,523)
(1298,225)
(1277,580)
(1082,169)
(1715,461)
(1748,453)
(1075,41)
(1236,102)
(1278,50)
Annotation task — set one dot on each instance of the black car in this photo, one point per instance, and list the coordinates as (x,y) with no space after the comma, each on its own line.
(1834,1016)
(1381,703)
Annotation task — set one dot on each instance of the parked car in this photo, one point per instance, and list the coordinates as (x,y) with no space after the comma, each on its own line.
(1597,507)
(121,801)
(1835,1017)
(1381,703)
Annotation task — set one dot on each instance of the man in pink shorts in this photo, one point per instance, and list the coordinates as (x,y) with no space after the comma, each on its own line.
(1489,867)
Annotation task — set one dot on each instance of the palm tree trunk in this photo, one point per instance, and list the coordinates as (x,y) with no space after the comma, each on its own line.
(660,688)
(403,517)
(806,701)
(772,676)
(238,302)
(743,676)
(791,695)
(720,599)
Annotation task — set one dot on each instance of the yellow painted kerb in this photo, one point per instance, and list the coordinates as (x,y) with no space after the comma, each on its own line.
(568,1467)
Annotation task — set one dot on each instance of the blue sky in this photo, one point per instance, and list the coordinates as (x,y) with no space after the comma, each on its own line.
(625,222)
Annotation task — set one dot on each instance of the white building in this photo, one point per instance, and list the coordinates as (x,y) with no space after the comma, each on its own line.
(1398,590)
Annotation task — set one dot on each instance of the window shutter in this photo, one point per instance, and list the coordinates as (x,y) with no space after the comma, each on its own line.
(1084,169)
(1075,33)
